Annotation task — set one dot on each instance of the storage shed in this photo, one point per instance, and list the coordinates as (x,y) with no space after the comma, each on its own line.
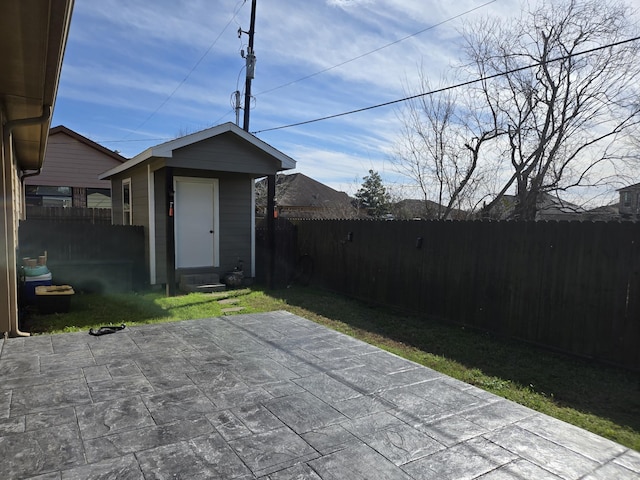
(195,197)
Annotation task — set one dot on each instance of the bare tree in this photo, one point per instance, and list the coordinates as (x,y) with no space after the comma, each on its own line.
(555,94)
(433,151)
(559,123)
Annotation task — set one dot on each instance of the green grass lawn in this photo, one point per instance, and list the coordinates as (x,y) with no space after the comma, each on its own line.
(602,399)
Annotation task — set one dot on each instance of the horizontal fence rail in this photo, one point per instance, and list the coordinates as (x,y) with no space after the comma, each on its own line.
(569,286)
(70,214)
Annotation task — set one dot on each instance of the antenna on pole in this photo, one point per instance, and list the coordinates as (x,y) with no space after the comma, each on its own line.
(250,58)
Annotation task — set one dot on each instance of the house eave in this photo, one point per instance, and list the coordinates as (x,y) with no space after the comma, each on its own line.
(33,35)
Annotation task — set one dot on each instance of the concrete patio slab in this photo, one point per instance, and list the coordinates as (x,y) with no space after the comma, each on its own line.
(270,396)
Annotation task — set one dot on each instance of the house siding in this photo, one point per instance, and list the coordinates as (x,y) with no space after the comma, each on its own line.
(228,153)
(5,291)
(630,200)
(10,210)
(71,163)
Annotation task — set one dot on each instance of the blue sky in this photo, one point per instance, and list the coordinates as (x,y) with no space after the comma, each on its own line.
(137,73)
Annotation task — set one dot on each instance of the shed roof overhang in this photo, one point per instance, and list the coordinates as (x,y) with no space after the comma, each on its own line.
(165,150)
(33,36)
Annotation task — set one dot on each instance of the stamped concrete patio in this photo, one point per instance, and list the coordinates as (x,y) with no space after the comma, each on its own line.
(270,396)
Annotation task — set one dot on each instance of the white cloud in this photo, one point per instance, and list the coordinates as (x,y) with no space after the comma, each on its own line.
(126,57)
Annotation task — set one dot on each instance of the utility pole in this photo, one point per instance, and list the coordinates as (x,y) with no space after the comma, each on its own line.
(271,179)
(251,67)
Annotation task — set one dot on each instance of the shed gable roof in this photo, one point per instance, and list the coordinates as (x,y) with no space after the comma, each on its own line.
(165,150)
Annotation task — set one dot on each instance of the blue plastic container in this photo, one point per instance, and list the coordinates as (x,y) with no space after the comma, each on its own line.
(33,281)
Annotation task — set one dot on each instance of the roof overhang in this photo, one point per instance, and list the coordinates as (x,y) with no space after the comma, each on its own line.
(33,36)
(165,150)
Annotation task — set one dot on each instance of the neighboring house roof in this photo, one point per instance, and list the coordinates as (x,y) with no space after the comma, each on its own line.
(549,208)
(90,143)
(72,160)
(413,208)
(554,207)
(605,212)
(165,150)
(33,36)
(298,190)
(635,186)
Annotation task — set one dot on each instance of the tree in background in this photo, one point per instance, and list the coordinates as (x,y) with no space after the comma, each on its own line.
(373,196)
(547,116)
(433,152)
(557,113)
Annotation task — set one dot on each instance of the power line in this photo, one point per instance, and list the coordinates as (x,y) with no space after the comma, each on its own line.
(133,140)
(451,87)
(235,14)
(431,27)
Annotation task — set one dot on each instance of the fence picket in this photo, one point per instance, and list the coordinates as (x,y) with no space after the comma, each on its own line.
(571,286)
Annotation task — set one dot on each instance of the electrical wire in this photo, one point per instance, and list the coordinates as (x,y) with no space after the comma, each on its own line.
(233,16)
(133,140)
(451,87)
(431,27)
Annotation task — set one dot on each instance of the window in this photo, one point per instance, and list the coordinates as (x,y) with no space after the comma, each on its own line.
(98,198)
(626,199)
(45,196)
(126,202)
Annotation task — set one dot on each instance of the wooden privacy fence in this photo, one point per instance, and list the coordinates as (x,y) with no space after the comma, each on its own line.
(284,254)
(70,214)
(91,257)
(570,286)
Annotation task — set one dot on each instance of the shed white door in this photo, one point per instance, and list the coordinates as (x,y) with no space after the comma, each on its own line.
(196,222)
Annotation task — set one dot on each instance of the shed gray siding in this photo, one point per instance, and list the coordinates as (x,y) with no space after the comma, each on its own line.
(139,197)
(225,153)
(228,153)
(235,221)
(160,215)
(235,213)
(139,202)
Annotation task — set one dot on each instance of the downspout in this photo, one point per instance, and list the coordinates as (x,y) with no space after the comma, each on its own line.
(27,122)
(8,129)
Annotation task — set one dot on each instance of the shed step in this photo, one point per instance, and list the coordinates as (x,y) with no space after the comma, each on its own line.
(201,282)
(206,288)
